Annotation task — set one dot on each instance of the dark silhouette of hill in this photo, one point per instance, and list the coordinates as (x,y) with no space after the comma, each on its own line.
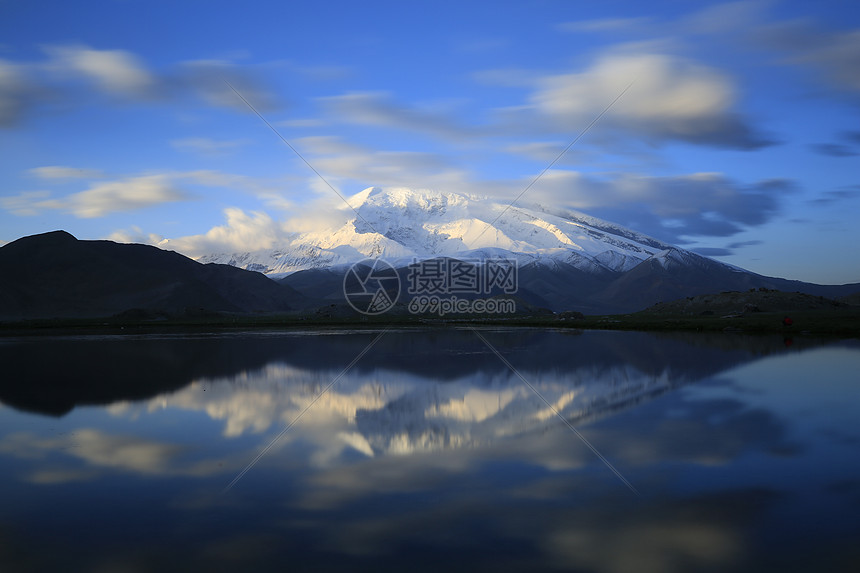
(754,300)
(54,275)
(682,274)
(851,299)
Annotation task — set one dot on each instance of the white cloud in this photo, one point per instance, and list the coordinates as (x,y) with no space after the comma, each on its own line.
(666,88)
(61,172)
(136,235)
(101,198)
(242,232)
(123,195)
(131,193)
(328,211)
(671,98)
(27,203)
(114,71)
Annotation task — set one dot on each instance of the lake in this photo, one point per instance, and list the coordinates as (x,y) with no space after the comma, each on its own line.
(427,450)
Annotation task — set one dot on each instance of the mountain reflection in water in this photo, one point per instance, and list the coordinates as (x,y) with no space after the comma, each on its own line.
(429,452)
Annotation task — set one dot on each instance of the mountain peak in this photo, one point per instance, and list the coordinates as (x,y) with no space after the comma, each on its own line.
(357,200)
(403,197)
(58,236)
(400,224)
(55,275)
(49,240)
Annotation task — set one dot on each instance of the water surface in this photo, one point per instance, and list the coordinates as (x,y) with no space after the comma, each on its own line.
(429,452)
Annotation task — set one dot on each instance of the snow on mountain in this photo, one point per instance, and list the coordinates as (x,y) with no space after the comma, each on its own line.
(400,225)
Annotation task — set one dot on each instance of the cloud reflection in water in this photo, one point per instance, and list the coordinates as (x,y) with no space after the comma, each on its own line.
(461,467)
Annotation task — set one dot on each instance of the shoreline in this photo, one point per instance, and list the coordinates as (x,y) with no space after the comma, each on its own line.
(843,323)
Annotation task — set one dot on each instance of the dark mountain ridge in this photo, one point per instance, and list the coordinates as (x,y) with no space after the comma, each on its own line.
(55,275)
(669,275)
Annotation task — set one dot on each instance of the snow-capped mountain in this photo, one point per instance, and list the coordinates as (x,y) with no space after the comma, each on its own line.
(566,260)
(400,225)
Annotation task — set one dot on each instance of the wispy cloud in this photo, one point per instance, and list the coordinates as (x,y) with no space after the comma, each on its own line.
(113,71)
(346,161)
(673,98)
(724,18)
(123,195)
(131,193)
(835,55)
(205,79)
(61,172)
(671,208)
(848,145)
(837,196)
(726,251)
(713,251)
(122,76)
(613,25)
(100,199)
(27,203)
(209,147)
(381,110)
(740,244)
(19,94)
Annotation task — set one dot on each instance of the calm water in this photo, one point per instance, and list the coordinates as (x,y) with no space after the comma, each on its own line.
(429,453)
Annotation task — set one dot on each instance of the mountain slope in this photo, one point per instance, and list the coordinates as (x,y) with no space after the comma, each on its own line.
(675,274)
(403,224)
(55,275)
(566,260)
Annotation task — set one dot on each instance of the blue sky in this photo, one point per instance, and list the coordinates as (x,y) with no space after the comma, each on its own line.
(738,138)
